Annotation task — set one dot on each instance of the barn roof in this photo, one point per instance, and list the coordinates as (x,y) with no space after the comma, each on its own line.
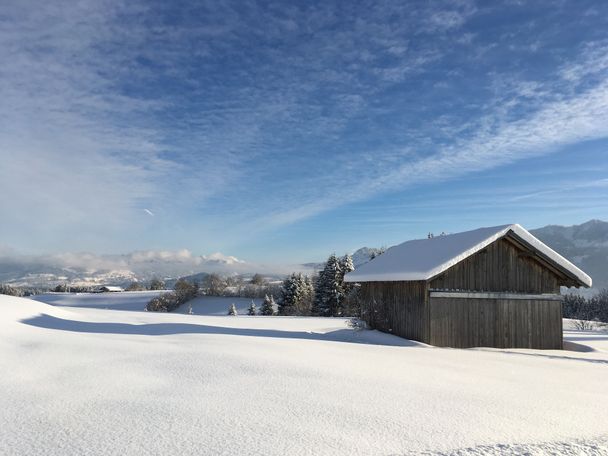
(423,259)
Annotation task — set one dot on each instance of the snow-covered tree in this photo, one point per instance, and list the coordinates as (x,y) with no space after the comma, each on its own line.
(296,295)
(329,291)
(232,310)
(267,306)
(8,290)
(157,284)
(252,310)
(349,303)
(346,266)
(308,296)
(290,294)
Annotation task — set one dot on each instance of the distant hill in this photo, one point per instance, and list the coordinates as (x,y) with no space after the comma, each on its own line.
(586,245)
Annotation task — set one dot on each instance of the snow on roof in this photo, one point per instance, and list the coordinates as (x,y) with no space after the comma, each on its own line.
(423,259)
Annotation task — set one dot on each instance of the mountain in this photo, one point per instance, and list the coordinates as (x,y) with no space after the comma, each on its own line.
(586,245)
(87,269)
(364,254)
(361,256)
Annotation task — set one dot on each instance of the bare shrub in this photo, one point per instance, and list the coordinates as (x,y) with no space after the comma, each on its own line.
(584,325)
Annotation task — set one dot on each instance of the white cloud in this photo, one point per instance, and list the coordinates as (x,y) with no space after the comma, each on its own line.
(89,139)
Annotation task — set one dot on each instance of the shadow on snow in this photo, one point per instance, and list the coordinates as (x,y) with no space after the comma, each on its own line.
(165,329)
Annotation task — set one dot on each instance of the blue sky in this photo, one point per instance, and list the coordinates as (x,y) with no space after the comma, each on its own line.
(280,132)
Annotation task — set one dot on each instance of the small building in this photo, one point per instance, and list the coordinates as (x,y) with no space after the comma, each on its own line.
(109,289)
(491,287)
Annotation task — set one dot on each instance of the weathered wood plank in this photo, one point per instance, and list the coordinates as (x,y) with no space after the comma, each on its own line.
(399,308)
(501,323)
(492,295)
(500,267)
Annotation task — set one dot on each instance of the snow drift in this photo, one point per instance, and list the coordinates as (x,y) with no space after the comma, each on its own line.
(94,381)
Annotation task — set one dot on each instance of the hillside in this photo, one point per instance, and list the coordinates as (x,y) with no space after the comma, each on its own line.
(586,245)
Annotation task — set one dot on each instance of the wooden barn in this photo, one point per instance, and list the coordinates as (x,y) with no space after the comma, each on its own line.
(491,287)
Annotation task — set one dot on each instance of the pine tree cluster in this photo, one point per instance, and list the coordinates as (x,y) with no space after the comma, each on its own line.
(296,295)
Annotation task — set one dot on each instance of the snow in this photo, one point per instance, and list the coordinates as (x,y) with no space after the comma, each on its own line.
(127,300)
(137,300)
(423,259)
(88,380)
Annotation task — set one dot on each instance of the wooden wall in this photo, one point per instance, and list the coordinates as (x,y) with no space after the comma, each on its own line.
(501,323)
(502,266)
(399,308)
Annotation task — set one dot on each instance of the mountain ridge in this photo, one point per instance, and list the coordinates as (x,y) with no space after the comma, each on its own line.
(586,245)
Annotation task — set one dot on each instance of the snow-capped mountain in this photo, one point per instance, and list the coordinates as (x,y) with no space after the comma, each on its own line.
(364,254)
(86,269)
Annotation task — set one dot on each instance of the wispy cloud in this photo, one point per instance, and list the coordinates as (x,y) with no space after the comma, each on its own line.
(221,120)
(567,117)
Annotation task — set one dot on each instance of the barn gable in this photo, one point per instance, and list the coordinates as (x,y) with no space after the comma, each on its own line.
(502,266)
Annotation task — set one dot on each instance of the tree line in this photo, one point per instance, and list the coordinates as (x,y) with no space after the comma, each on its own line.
(587,310)
(323,294)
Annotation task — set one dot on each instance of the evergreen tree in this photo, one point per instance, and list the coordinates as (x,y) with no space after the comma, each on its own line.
(346,266)
(290,293)
(329,292)
(318,285)
(252,310)
(307,295)
(267,306)
(232,310)
(349,302)
(296,295)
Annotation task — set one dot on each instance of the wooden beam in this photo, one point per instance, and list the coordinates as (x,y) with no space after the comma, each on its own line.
(489,295)
(532,252)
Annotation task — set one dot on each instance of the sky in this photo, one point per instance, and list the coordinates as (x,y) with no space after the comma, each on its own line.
(284,131)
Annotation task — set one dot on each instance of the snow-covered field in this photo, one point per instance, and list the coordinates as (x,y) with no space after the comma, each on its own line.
(88,380)
(137,300)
